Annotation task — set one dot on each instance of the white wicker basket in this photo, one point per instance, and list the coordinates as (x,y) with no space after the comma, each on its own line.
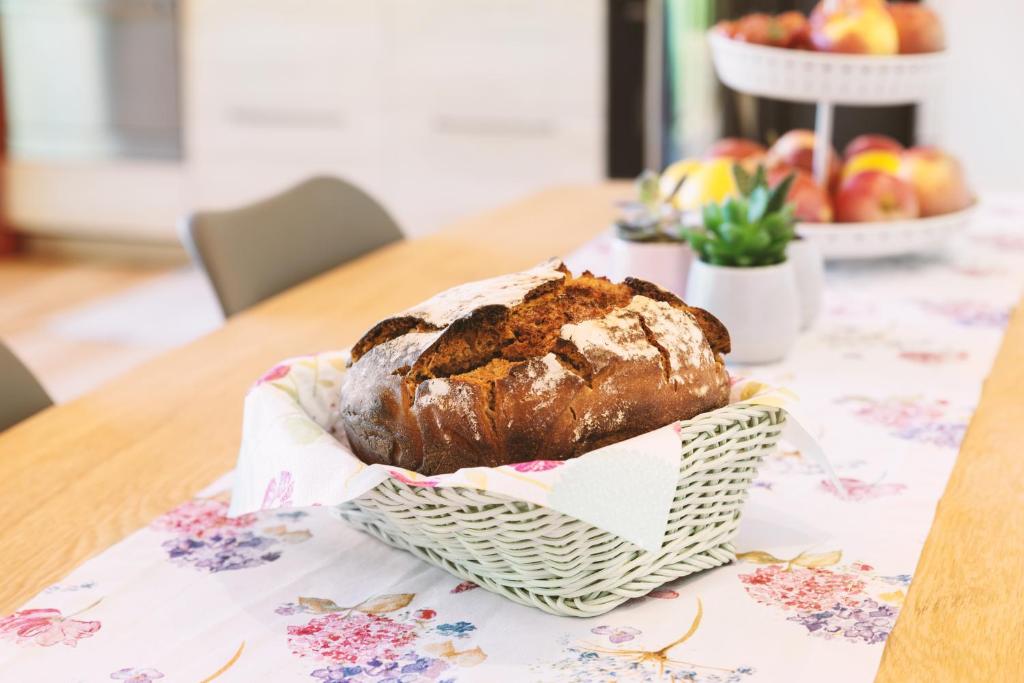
(805,76)
(539,557)
(842,241)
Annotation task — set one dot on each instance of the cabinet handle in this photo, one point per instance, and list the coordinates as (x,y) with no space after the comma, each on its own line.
(266,117)
(494,126)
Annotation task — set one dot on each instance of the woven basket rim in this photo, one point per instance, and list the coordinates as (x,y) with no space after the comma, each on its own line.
(566,566)
(704,422)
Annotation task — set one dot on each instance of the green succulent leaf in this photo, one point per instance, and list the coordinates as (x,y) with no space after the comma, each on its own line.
(758,206)
(648,189)
(779,193)
(760,177)
(744,181)
(651,217)
(734,210)
(712,214)
(750,230)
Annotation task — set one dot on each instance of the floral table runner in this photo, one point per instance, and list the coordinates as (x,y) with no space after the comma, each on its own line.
(893,369)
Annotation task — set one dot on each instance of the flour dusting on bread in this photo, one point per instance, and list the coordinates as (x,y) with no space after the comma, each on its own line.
(535,365)
(504,290)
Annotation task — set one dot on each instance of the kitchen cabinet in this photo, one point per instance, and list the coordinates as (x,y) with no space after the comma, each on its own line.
(437,108)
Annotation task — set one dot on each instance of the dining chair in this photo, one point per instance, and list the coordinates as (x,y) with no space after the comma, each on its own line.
(254,252)
(22,395)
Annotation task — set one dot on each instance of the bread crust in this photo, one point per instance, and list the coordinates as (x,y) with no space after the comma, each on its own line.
(536,365)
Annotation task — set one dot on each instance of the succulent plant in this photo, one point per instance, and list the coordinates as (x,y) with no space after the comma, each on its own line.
(746,231)
(650,218)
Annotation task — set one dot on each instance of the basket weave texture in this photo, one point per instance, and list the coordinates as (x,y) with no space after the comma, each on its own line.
(559,564)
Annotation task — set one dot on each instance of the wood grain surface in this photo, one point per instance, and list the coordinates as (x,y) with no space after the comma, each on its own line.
(80,476)
(964,615)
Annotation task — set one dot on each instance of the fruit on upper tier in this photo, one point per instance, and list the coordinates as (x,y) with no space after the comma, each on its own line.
(918,27)
(855,26)
(871,27)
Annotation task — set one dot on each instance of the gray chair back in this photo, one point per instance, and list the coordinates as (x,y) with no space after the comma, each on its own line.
(21,395)
(254,252)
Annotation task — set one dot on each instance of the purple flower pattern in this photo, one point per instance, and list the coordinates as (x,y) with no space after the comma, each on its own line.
(969,313)
(130,675)
(206,539)
(848,602)
(920,420)
(616,634)
(223,551)
(869,622)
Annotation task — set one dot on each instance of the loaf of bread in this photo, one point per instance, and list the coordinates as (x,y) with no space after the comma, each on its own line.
(537,365)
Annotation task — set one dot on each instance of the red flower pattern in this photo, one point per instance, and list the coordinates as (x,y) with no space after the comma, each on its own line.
(45,627)
(933,357)
(410,481)
(276,372)
(800,588)
(858,490)
(279,491)
(536,465)
(200,516)
(341,637)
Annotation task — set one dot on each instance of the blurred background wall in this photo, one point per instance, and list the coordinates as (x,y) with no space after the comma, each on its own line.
(978,115)
(122,115)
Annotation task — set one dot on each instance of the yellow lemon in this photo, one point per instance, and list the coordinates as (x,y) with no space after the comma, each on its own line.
(673,173)
(861,27)
(712,182)
(872,160)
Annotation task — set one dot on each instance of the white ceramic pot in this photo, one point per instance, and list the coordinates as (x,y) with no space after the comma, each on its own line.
(809,268)
(759,306)
(663,263)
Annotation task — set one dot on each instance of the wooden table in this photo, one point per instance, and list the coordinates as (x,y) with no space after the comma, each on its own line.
(79,477)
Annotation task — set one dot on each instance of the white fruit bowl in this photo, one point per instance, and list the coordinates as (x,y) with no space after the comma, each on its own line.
(805,76)
(842,241)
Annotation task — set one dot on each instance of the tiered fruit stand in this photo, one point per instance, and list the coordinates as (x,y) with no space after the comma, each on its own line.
(828,80)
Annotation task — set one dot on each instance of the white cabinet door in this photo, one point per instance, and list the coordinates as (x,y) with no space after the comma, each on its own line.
(493,100)
(282,90)
(438,108)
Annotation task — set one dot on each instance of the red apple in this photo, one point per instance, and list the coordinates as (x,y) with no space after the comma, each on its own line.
(866,143)
(789,29)
(854,26)
(937,178)
(918,27)
(810,200)
(796,28)
(758,28)
(796,149)
(875,196)
(785,30)
(734,148)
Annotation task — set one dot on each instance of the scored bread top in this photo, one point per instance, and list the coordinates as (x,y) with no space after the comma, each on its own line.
(533,365)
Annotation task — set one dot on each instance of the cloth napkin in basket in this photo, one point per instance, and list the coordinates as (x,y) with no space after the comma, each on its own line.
(294,454)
